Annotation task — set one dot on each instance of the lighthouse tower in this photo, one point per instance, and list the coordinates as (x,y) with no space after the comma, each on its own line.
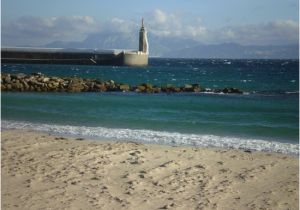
(140,57)
(143,41)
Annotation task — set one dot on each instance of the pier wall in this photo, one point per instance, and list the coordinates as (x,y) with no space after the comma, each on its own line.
(75,57)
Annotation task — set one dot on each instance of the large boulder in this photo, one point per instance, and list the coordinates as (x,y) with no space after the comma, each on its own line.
(36,83)
(53,86)
(25,85)
(90,85)
(217,91)
(17,86)
(177,89)
(85,88)
(111,82)
(168,88)
(188,88)
(140,89)
(75,85)
(56,79)
(156,89)
(45,79)
(6,78)
(3,87)
(230,90)
(75,89)
(235,90)
(8,87)
(99,82)
(148,85)
(144,88)
(100,87)
(18,76)
(196,88)
(124,87)
(110,85)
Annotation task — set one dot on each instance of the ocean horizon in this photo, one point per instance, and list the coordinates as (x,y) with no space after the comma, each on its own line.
(264,118)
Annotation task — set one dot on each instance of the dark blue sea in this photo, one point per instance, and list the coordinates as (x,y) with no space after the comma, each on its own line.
(264,118)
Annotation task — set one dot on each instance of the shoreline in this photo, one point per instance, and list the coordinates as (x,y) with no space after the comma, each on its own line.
(159,137)
(42,170)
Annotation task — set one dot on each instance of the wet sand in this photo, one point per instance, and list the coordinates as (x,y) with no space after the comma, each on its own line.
(42,171)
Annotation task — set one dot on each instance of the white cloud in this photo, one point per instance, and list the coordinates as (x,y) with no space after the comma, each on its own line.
(173,25)
(163,24)
(159,16)
(36,30)
(40,31)
(120,26)
(275,32)
(196,31)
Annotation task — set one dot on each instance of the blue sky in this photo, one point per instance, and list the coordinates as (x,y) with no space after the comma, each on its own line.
(207,21)
(215,13)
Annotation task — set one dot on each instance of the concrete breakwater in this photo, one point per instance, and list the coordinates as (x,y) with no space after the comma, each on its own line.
(73,56)
(38,82)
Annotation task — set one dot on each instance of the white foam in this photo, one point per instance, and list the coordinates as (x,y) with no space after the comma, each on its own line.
(245,80)
(159,137)
(292,92)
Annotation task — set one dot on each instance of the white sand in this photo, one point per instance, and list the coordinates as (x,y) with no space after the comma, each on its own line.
(40,171)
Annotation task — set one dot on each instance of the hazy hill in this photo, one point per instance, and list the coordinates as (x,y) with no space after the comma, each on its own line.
(231,50)
(183,48)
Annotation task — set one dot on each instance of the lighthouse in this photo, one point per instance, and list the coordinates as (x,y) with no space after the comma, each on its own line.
(143,41)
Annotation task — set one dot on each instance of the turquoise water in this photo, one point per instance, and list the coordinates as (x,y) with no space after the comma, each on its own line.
(267,113)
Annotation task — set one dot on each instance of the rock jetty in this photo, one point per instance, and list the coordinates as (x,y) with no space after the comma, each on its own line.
(38,82)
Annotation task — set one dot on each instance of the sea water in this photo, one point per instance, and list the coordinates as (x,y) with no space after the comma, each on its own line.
(264,118)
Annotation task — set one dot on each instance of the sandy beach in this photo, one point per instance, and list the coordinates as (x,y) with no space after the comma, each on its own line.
(43,171)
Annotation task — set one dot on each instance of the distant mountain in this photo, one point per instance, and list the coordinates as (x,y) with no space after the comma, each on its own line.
(165,46)
(100,41)
(182,48)
(231,50)
(159,46)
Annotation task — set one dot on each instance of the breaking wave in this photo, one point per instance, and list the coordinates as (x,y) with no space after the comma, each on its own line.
(158,137)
